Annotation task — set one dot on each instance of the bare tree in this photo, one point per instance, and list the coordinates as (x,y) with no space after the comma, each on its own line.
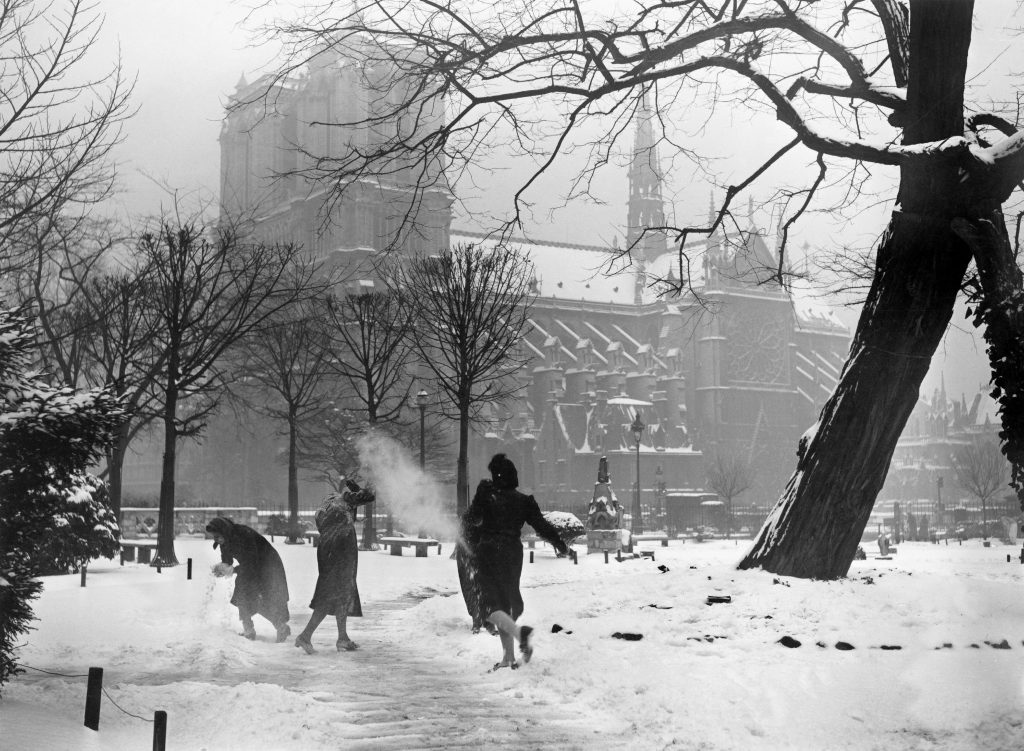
(729,476)
(860,87)
(210,290)
(470,306)
(284,374)
(57,127)
(373,335)
(96,325)
(121,327)
(982,471)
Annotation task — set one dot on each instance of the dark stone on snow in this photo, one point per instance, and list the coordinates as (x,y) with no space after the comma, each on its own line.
(664,569)
(890,646)
(789,641)
(999,645)
(555,628)
(627,636)
(712,599)
(844,646)
(820,644)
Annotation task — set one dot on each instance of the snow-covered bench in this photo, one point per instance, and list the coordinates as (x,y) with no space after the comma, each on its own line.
(420,543)
(652,536)
(145,548)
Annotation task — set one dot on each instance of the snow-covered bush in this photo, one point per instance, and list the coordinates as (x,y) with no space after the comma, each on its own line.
(568,526)
(49,435)
(83,528)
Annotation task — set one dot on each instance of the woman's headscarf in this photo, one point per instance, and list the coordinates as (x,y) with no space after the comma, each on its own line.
(503,472)
(220,526)
(334,512)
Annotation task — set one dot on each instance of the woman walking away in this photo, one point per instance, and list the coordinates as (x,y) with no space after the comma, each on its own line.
(261,586)
(491,530)
(337,559)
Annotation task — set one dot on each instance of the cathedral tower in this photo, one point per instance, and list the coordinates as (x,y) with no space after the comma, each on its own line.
(646,208)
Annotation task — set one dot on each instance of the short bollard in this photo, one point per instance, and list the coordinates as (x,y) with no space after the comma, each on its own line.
(85,567)
(159,730)
(606,556)
(188,569)
(159,569)
(531,556)
(575,558)
(93,694)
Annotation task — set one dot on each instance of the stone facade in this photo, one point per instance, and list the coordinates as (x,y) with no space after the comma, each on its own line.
(735,364)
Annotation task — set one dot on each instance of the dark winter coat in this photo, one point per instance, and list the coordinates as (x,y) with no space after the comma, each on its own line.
(337,557)
(490,556)
(261,587)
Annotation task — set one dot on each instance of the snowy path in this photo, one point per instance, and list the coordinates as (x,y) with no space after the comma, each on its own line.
(387,694)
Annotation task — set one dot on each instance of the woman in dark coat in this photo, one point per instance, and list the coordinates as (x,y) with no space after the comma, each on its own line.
(337,559)
(491,560)
(261,586)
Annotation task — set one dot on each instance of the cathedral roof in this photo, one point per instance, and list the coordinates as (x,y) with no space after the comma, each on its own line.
(573,272)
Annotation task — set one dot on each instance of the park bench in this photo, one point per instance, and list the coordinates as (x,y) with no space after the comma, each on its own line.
(652,536)
(420,543)
(145,549)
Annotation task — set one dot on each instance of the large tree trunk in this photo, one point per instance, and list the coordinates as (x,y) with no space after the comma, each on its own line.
(814,529)
(115,468)
(462,475)
(165,555)
(293,480)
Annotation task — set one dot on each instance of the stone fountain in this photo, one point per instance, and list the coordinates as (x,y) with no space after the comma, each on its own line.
(604,516)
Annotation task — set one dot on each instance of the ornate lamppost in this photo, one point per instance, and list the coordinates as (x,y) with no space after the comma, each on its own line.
(659,477)
(421,402)
(637,525)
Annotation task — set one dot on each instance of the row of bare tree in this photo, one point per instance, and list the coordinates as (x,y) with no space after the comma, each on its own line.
(185,320)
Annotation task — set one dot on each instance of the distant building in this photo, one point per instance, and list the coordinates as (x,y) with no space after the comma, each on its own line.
(735,364)
(921,479)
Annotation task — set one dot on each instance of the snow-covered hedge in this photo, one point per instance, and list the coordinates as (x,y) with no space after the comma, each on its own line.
(54,515)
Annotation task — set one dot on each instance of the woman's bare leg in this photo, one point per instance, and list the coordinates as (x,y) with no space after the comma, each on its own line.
(304,640)
(344,643)
(508,631)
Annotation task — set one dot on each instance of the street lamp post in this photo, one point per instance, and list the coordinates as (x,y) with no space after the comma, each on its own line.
(637,525)
(659,477)
(421,402)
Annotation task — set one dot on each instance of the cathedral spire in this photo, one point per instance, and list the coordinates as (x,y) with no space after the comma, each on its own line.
(645,208)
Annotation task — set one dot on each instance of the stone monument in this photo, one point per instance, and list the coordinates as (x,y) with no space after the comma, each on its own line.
(604,516)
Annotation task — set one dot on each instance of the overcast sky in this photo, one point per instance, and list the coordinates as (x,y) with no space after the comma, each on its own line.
(189,54)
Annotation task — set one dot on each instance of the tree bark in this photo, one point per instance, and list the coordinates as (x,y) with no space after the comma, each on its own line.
(462,475)
(815,527)
(165,555)
(293,479)
(115,468)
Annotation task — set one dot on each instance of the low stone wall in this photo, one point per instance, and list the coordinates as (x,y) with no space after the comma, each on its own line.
(141,523)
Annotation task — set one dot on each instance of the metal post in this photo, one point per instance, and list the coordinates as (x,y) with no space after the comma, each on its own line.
(423,449)
(93,695)
(637,524)
(159,730)
(83,575)
(189,569)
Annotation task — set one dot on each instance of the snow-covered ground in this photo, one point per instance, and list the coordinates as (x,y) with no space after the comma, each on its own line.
(926,670)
